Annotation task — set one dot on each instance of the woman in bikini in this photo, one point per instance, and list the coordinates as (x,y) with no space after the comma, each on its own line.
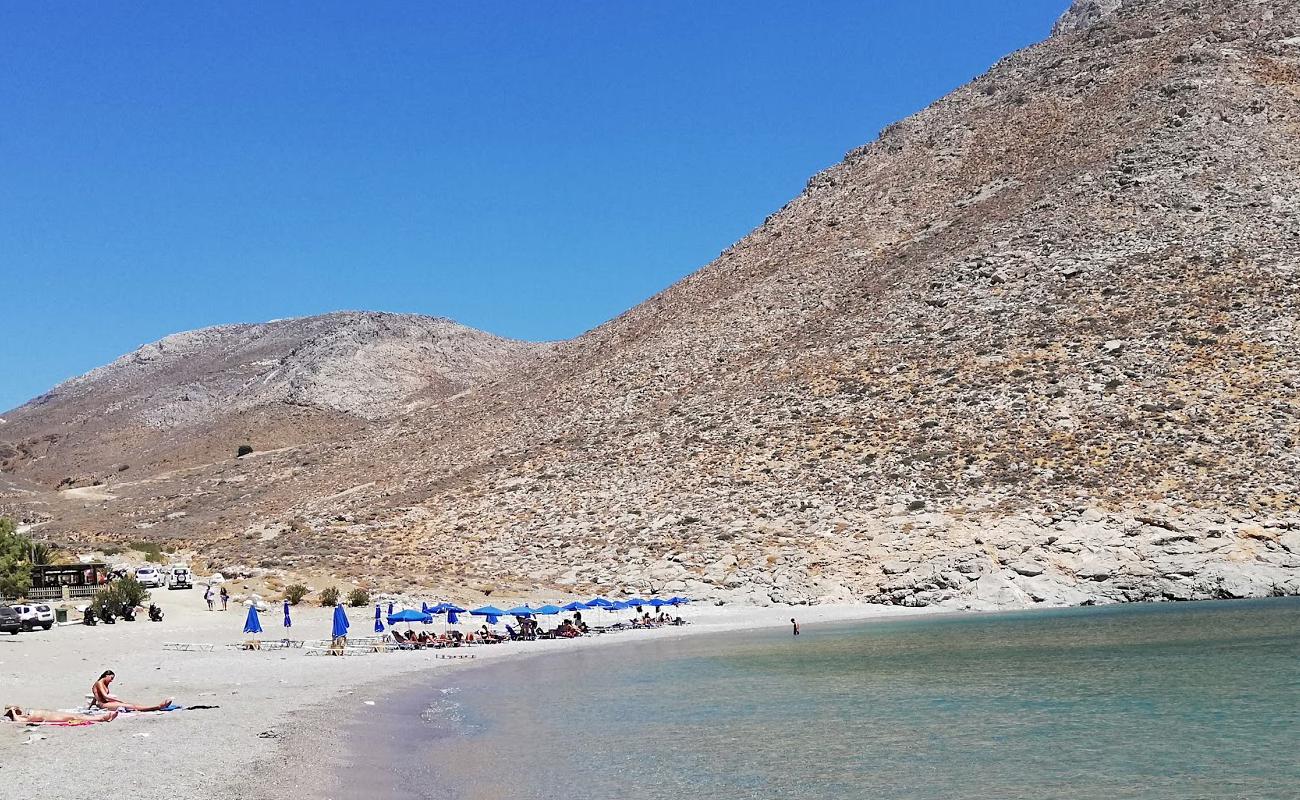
(106,701)
(38,715)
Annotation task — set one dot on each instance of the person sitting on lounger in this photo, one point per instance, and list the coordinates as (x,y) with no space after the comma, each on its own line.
(102,698)
(38,715)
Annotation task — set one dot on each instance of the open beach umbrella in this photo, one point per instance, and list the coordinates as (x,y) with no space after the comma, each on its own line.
(633,602)
(340,627)
(288,623)
(547,609)
(576,606)
(617,605)
(492,613)
(252,624)
(598,602)
(379,626)
(409,615)
(657,602)
(522,611)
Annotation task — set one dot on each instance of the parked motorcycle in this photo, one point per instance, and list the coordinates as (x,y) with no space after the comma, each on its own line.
(155,613)
(89,617)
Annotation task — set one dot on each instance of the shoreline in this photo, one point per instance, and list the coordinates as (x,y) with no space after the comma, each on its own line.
(316,747)
(276,731)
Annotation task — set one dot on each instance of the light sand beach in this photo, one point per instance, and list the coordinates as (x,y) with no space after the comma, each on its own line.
(274,729)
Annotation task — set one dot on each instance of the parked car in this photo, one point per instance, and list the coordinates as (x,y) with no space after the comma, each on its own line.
(9,620)
(37,616)
(180,578)
(149,577)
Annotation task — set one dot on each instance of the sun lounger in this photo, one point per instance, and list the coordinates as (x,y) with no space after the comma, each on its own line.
(187,647)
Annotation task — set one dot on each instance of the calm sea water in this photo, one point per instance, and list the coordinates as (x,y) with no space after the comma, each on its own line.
(1172,701)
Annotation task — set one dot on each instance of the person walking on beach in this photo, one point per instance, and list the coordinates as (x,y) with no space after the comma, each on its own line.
(796,626)
(225,598)
(208,595)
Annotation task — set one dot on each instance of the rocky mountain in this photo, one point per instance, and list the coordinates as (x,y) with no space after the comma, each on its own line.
(1034,344)
(195,396)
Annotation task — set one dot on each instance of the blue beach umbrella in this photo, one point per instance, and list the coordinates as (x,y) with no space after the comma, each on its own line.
(617,605)
(633,602)
(547,609)
(452,610)
(409,615)
(657,602)
(598,602)
(288,623)
(340,627)
(424,607)
(576,606)
(521,611)
(252,624)
(390,609)
(379,626)
(492,613)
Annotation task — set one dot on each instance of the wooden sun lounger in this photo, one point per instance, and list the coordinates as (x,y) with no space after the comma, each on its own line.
(188,647)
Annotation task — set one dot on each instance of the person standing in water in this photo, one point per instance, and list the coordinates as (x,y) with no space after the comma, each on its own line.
(796,626)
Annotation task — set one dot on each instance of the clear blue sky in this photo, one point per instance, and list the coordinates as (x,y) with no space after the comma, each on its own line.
(531,169)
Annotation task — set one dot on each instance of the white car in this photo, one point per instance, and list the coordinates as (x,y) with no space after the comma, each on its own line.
(149,577)
(37,616)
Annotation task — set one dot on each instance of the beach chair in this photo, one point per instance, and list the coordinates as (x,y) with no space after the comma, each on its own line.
(188,647)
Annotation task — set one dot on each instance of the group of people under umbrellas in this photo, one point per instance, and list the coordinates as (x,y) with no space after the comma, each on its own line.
(526,616)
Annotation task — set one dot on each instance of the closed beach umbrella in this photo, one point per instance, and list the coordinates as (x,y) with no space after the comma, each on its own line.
(452,611)
(492,613)
(288,623)
(548,609)
(390,609)
(379,626)
(252,624)
(423,607)
(340,627)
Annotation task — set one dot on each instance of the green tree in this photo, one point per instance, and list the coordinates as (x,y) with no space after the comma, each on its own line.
(329,596)
(18,554)
(358,597)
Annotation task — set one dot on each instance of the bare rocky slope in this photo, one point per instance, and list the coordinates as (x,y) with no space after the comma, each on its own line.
(194,397)
(1035,344)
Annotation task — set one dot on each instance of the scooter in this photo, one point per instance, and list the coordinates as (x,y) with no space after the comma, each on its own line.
(155,613)
(89,617)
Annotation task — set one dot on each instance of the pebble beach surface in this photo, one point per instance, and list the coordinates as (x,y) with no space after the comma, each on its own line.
(277,725)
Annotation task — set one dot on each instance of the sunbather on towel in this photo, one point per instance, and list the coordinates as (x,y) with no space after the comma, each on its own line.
(102,698)
(36,715)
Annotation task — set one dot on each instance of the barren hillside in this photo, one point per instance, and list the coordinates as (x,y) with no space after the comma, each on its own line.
(1033,344)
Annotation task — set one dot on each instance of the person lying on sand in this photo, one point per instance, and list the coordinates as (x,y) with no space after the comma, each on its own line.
(41,715)
(102,698)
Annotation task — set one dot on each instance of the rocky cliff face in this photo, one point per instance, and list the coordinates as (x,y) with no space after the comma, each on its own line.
(1034,344)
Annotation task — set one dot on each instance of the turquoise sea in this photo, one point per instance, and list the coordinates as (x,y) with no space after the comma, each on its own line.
(1168,701)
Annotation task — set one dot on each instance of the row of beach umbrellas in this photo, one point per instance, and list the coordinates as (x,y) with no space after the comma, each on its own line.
(493,614)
